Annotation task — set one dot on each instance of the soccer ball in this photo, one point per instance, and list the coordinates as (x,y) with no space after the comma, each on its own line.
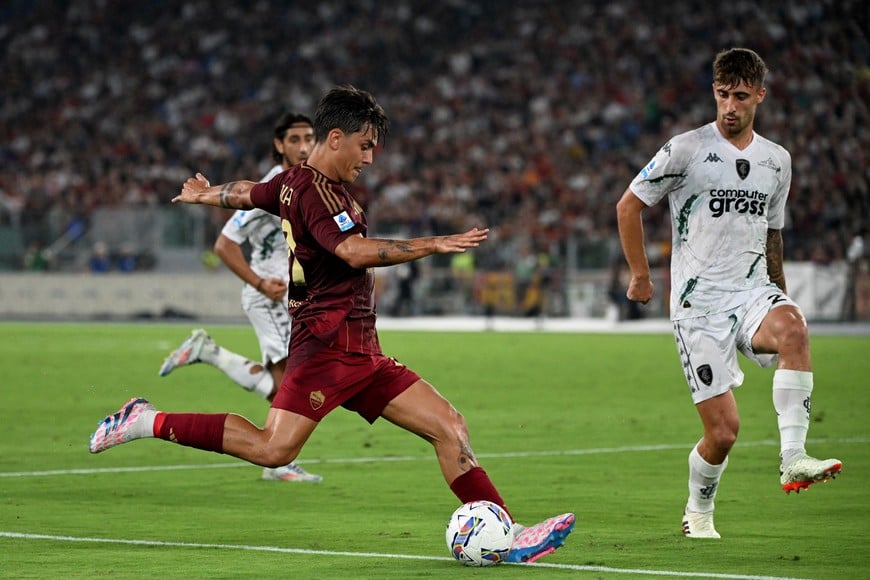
(480,533)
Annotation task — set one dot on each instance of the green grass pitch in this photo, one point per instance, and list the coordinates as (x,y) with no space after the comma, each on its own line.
(597,424)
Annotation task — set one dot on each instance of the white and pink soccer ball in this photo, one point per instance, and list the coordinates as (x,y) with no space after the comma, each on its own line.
(480,533)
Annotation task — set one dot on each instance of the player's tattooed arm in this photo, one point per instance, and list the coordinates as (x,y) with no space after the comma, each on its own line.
(232,195)
(390,250)
(225,194)
(235,195)
(360,252)
(774,259)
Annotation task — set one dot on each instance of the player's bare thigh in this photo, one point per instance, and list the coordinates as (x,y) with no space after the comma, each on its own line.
(422,410)
(784,331)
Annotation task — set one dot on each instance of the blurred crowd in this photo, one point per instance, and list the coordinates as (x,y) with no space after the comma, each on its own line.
(530,117)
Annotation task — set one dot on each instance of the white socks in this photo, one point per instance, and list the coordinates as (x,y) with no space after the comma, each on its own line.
(703,482)
(240,370)
(144,425)
(791,399)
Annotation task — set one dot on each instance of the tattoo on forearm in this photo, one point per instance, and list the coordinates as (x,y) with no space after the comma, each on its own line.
(774,259)
(225,195)
(397,246)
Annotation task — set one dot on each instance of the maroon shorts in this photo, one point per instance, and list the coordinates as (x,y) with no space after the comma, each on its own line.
(358,382)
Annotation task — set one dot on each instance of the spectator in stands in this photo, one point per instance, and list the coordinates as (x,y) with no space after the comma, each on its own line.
(100,261)
(127,259)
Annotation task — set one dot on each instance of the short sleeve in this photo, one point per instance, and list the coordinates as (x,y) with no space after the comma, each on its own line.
(666,172)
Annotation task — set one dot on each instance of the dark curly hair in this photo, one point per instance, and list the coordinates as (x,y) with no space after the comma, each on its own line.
(286,121)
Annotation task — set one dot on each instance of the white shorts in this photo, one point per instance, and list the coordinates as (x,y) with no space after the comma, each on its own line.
(708,345)
(271,322)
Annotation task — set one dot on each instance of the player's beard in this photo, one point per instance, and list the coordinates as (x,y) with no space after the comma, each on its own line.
(741,122)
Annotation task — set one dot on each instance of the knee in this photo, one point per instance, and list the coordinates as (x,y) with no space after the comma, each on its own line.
(792,332)
(452,428)
(794,336)
(723,436)
(276,456)
(458,425)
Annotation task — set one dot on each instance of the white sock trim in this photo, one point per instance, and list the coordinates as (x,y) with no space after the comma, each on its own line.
(144,426)
(789,379)
(703,468)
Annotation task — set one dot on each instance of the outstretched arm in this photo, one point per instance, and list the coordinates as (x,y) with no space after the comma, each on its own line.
(360,252)
(774,259)
(628,217)
(231,195)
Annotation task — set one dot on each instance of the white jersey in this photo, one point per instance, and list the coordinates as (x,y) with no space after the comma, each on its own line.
(262,230)
(722,202)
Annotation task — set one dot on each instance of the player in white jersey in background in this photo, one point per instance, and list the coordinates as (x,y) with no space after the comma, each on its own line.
(727,188)
(265,294)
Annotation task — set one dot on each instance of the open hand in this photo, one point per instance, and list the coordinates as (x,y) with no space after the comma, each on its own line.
(460,242)
(192,188)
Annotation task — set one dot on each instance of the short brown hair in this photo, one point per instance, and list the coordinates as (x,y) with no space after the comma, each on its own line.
(739,64)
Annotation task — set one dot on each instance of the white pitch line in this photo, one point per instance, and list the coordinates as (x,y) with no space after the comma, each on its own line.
(387,459)
(574,567)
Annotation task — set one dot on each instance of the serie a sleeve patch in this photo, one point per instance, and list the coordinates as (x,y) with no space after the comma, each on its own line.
(343,220)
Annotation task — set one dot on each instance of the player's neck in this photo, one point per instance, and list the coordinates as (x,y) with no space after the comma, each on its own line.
(319,160)
(741,140)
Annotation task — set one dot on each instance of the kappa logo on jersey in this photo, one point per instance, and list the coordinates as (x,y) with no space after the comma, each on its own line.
(770,164)
(723,201)
(713,158)
(343,220)
(742,168)
(645,171)
(667,148)
(705,374)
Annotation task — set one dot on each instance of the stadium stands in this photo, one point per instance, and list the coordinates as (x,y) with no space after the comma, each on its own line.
(530,117)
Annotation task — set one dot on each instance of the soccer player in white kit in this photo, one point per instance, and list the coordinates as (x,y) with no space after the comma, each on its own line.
(265,293)
(727,188)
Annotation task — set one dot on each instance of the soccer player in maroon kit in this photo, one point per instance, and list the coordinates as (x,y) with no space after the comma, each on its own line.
(335,356)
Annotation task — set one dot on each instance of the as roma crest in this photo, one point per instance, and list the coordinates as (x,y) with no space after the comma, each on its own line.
(742,168)
(316,399)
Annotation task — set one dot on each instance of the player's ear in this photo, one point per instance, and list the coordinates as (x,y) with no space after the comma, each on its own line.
(761,93)
(279,145)
(334,139)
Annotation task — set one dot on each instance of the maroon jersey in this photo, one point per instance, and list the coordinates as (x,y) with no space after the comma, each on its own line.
(317,214)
